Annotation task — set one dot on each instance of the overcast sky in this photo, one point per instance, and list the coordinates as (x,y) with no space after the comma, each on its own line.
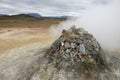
(49,7)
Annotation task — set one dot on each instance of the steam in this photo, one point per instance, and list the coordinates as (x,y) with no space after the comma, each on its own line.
(103,21)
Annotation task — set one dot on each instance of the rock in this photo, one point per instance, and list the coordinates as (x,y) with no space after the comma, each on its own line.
(75,58)
(62,44)
(75,42)
(81,48)
(72,29)
(78,50)
(81,31)
(72,35)
(88,36)
(67,52)
(79,41)
(67,45)
(73,45)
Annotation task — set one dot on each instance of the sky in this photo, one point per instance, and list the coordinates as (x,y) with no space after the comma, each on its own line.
(49,7)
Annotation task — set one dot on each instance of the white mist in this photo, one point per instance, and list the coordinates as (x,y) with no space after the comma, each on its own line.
(103,21)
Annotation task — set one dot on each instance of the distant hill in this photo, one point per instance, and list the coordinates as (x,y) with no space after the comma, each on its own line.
(34,15)
(25,20)
(21,15)
(63,17)
(66,16)
(4,15)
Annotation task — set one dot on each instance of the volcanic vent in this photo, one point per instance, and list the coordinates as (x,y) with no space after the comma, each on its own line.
(76,46)
(78,54)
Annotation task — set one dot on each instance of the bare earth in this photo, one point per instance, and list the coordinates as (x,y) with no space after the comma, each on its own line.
(20,45)
(20,30)
(16,37)
(23,41)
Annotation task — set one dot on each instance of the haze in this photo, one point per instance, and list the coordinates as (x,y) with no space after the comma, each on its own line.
(103,21)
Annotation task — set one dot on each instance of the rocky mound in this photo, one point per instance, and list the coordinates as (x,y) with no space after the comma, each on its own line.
(77,46)
(78,53)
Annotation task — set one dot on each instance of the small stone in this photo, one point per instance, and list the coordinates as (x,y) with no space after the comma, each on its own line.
(61,38)
(77,36)
(79,41)
(88,42)
(75,58)
(68,59)
(92,61)
(62,43)
(62,48)
(73,70)
(81,38)
(79,54)
(73,28)
(81,48)
(67,45)
(97,49)
(64,56)
(81,30)
(73,45)
(95,43)
(89,56)
(61,52)
(82,59)
(72,35)
(88,36)
(72,53)
(67,51)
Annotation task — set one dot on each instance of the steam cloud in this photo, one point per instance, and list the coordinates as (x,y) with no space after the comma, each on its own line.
(103,21)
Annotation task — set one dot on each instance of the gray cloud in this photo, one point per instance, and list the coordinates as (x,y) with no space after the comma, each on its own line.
(47,7)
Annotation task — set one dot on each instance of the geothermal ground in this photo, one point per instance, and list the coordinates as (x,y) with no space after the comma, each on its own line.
(20,45)
(19,48)
(23,41)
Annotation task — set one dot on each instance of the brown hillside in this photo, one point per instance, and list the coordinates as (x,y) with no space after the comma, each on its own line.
(26,21)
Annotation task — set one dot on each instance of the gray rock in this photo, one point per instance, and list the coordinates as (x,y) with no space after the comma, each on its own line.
(73,45)
(62,44)
(67,52)
(81,48)
(67,45)
(82,57)
(73,28)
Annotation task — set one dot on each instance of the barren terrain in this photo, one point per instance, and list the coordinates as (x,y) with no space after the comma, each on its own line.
(17,31)
(21,39)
